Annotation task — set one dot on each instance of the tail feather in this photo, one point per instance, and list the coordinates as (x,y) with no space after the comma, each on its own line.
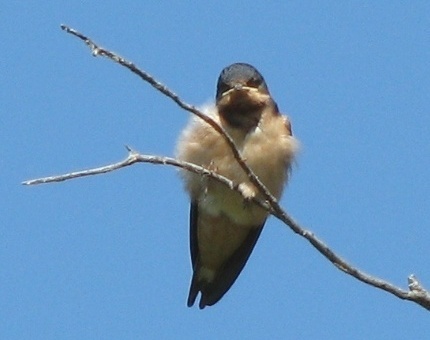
(194,291)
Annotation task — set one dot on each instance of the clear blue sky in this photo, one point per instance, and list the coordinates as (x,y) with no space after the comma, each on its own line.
(107,257)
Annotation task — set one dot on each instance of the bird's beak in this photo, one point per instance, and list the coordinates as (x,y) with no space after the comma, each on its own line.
(239,88)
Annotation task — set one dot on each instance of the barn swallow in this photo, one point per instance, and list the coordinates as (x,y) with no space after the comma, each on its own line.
(224,225)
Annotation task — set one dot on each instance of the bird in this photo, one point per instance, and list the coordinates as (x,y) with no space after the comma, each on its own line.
(225,224)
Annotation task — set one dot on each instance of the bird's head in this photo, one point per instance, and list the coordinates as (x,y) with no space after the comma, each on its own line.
(241,95)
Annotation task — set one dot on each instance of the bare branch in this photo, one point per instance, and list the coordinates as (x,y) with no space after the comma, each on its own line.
(135,157)
(132,158)
(416,292)
(96,50)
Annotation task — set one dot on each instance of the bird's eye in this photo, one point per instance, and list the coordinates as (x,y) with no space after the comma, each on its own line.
(222,87)
(253,82)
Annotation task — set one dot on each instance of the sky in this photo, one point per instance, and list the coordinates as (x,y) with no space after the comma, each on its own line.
(107,257)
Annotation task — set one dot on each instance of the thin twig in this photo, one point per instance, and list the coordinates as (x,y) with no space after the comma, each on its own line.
(416,292)
(135,157)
